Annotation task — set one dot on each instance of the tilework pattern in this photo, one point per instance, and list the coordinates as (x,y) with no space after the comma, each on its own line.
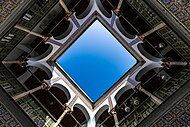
(146,12)
(6,119)
(178,116)
(180,8)
(165,32)
(7,7)
(32,109)
(39,13)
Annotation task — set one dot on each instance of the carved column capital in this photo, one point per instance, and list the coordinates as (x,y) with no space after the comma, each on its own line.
(113,111)
(45,86)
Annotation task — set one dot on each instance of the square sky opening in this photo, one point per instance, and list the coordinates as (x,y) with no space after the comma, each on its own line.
(96,61)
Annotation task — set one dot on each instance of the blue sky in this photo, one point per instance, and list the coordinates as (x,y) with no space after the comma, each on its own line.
(96,61)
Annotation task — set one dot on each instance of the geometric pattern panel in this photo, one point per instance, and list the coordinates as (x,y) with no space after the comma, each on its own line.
(177,116)
(6,119)
(6,8)
(179,8)
(35,112)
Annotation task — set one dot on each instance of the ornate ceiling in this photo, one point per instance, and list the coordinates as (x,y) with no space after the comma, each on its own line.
(44,29)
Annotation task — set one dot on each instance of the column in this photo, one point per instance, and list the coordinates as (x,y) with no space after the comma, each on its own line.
(11,62)
(43,86)
(176,63)
(114,113)
(117,10)
(65,7)
(67,109)
(167,63)
(154,98)
(30,32)
(159,26)
(21,63)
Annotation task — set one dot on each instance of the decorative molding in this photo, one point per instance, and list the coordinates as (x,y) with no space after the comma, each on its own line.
(180,9)
(7,7)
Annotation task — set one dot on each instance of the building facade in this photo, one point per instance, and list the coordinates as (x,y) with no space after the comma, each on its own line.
(35,91)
